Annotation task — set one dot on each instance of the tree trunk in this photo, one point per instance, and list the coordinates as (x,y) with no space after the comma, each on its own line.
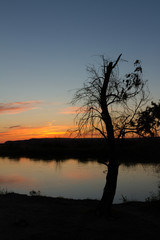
(111,178)
(109,189)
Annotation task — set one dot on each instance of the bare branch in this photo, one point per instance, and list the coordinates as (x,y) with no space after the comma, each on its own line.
(117,61)
(108,101)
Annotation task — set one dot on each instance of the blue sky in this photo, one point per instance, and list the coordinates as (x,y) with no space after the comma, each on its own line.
(45,46)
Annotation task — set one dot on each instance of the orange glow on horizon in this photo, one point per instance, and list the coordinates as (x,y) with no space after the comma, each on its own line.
(23,133)
(49,130)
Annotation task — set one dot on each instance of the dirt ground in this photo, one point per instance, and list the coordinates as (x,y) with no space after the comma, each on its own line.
(23,217)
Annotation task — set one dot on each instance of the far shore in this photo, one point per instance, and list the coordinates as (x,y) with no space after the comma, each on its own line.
(127,150)
(37,217)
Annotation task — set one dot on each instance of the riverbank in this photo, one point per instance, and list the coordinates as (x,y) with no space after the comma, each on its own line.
(133,149)
(25,217)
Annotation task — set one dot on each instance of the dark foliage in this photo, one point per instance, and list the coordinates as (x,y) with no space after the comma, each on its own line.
(149,120)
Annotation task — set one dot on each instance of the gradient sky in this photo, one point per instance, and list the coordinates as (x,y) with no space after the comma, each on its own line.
(45,46)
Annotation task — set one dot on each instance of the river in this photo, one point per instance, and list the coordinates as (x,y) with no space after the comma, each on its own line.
(73,178)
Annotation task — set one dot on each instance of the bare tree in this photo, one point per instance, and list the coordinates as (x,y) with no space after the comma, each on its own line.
(109,106)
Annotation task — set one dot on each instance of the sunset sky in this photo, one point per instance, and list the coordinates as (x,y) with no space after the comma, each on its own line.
(45,46)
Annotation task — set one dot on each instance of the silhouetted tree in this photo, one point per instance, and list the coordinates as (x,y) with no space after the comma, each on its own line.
(109,106)
(148,121)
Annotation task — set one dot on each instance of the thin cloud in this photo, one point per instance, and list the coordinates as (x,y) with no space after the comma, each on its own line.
(73,110)
(69,110)
(16,126)
(18,107)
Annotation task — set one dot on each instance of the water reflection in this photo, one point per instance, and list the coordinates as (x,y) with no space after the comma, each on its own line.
(138,181)
(76,178)
(13,179)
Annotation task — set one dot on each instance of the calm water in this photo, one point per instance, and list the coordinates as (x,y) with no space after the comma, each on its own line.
(74,179)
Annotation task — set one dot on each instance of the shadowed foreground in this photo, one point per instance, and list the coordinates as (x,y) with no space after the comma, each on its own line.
(24,217)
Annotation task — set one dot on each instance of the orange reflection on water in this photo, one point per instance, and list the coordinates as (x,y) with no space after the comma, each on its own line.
(72,178)
(81,176)
(13,179)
